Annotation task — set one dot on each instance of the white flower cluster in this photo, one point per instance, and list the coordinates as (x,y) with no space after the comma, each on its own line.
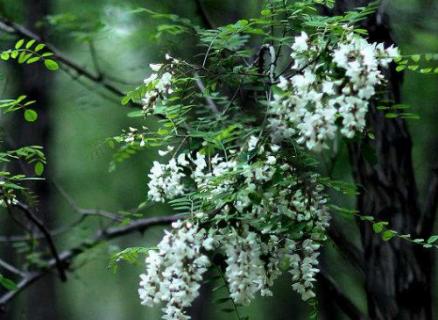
(245,270)
(158,86)
(303,266)
(174,271)
(319,92)
(255,244)
(165,181)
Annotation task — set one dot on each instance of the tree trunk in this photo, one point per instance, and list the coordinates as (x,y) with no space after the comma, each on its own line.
(35,81)
(397,273)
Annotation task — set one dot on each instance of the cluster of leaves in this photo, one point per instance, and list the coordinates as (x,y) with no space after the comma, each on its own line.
(129,255)
(418,62)
(82,29)
(30,52)
(20,103)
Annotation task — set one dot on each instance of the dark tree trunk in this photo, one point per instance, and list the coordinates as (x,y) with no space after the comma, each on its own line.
(397,273)
(35,82)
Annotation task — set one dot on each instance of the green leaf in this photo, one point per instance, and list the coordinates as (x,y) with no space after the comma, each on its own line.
(7,283)
(51,65)
(426,70)
(391,115)
(32,60)
(379,226)
(432,239)
(30,44)
(129,255)
(39,168)
(388,235)
(19,44)
(416,57)
(39,47)
(136,114)
(30,115)
(5,55)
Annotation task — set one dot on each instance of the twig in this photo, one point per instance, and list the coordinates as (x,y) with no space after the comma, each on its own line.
(86,212)
(210,103)
(343,301)
(67,256)
(11,268)
(12,27)
(40,225)
(95,60)
(347,248)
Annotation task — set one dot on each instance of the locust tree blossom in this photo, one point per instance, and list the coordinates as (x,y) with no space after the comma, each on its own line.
(310,102)
(165,181)
(158,86)
(252,201)
(174,272)
(255,245)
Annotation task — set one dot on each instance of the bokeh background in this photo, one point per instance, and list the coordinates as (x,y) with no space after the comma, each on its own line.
(77,116)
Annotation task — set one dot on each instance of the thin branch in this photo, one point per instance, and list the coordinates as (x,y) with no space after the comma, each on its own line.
(343,301)
(11,268)
(86,212)
(346,247)
(95,59)
(67,256)
(40,225)
(210,103)
(12,27)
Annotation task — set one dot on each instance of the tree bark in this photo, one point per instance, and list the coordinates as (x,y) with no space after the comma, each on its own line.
(397,273)
(35,82)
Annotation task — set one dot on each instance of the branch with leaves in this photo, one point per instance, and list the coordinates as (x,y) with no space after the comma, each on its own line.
(66,257)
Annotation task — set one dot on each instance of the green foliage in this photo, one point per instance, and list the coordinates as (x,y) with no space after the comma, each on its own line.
(30,115)
(398,111)
(129,255)
(21,103)
(81,28)
(7,283)
(30,52)
(421,63)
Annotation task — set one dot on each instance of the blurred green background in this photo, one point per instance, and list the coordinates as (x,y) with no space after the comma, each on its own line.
(82,116)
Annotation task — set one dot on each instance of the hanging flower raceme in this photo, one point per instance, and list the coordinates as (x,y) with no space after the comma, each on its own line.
(174,271)
(253,244)
(328,82)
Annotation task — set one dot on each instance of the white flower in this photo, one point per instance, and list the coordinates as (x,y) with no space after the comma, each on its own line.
(165,152)
(174,272)
(155,67)
(165,181)
(300,43)
(311,103)
(252,143)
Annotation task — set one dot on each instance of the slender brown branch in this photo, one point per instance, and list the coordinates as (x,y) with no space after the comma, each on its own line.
(346,247)
(42,228)
(67,256)
(343,301)
(210,103)
(21,31)
(11,268)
